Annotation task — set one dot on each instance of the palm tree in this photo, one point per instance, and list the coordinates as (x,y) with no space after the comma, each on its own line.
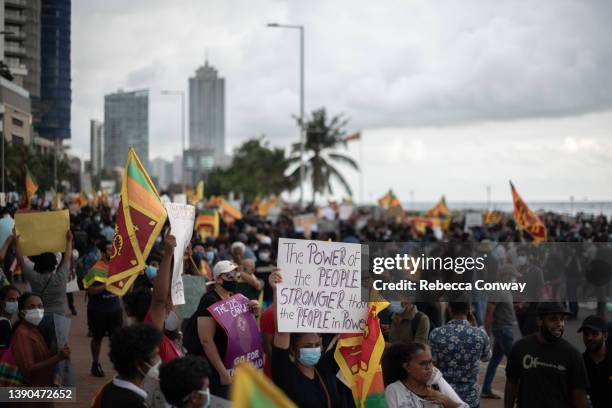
(323,137)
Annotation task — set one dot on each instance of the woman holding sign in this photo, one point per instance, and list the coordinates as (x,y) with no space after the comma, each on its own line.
(298,368)
(203,335)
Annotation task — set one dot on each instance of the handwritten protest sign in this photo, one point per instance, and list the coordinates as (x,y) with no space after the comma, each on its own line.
(473,219)
(181,218)
(243,341)
(42,231)
(321,290)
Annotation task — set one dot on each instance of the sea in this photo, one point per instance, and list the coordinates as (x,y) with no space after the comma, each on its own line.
(560,207)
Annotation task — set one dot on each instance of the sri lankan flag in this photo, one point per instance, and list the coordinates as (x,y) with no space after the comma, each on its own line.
(358,356)
(492,217)
(30,188)
(229,212)
(439,210)
(251,389)
(526,219)
(389,200)
(83,200)
(140,218)
(207,223)
(97,273)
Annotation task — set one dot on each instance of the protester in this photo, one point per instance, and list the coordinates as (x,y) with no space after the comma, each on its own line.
(544,370)
(134,352)
(104,312)
(34,358)
(597,360)
(413,381)
(457,349)
(204,337)
(298,368)
(499,322)
(408,324)
(9,307)
(184,382)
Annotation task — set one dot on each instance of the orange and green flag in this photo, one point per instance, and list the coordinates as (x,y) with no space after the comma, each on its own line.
(389,200)
(526,219)
(439,210)
(140,218)
(97,273)
(359,355)
(207,223)
(229,211)
(251,389)
(30,187)
(83,200)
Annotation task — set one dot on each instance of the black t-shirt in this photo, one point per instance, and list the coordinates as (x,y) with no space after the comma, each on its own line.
(5,333)
(191,340)
(103,302)
(547,372)
(600,380)
(113,397)
(303,391)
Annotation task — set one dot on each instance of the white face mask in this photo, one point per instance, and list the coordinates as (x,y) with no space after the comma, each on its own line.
(172,321)
(34,316)
(11,307)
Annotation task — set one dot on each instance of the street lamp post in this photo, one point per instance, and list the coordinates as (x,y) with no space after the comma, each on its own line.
(302,129)
(182,95)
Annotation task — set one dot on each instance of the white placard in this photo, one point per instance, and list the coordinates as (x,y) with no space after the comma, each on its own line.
(181,218)
(179,199)
(72,285)
(321,289)
(345,211)
(473,219)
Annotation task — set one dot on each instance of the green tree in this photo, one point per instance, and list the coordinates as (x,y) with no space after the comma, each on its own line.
(256,169)
(41,166)
(323,137)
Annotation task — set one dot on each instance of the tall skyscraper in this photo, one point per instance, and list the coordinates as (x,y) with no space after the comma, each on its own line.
(207,111)
(126,124)
(96,146)
(52,111)
(14,21)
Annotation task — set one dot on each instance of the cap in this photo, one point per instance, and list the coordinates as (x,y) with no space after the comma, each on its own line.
(546,308)
(593,322)
(222,267)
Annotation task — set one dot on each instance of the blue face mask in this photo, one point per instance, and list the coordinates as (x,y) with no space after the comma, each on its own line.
(197,257)
(396,307)
(310,356)
(210,257)
(151,272)
(11,307)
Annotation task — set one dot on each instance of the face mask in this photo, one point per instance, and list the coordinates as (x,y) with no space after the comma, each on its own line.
(396,307)
(264,256)
(151,272)
(197,257)
(172,322)
(210,257)
(230,286)
(153,371)
(34,316)
(11,307)
(309,357)
(207,394)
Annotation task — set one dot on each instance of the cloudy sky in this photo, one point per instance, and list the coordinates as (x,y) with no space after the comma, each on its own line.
(450,96)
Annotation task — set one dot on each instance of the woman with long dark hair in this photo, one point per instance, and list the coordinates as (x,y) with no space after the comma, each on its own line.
(412,380)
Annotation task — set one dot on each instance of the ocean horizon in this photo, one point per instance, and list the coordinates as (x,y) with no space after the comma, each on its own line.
(561,207)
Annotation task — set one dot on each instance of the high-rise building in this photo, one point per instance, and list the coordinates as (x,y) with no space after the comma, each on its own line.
(52,109)
(126,124)
(159,171)
(207,111)
(14,52)
(96,146)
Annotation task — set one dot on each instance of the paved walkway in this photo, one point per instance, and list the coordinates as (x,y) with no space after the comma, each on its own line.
(87,385)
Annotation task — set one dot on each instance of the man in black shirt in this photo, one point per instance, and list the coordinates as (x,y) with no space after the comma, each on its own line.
(598,361)
(544,370)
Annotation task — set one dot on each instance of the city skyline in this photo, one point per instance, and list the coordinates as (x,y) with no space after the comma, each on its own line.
(527,104)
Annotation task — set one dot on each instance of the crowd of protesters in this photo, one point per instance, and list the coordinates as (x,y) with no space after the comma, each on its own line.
(164,355)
